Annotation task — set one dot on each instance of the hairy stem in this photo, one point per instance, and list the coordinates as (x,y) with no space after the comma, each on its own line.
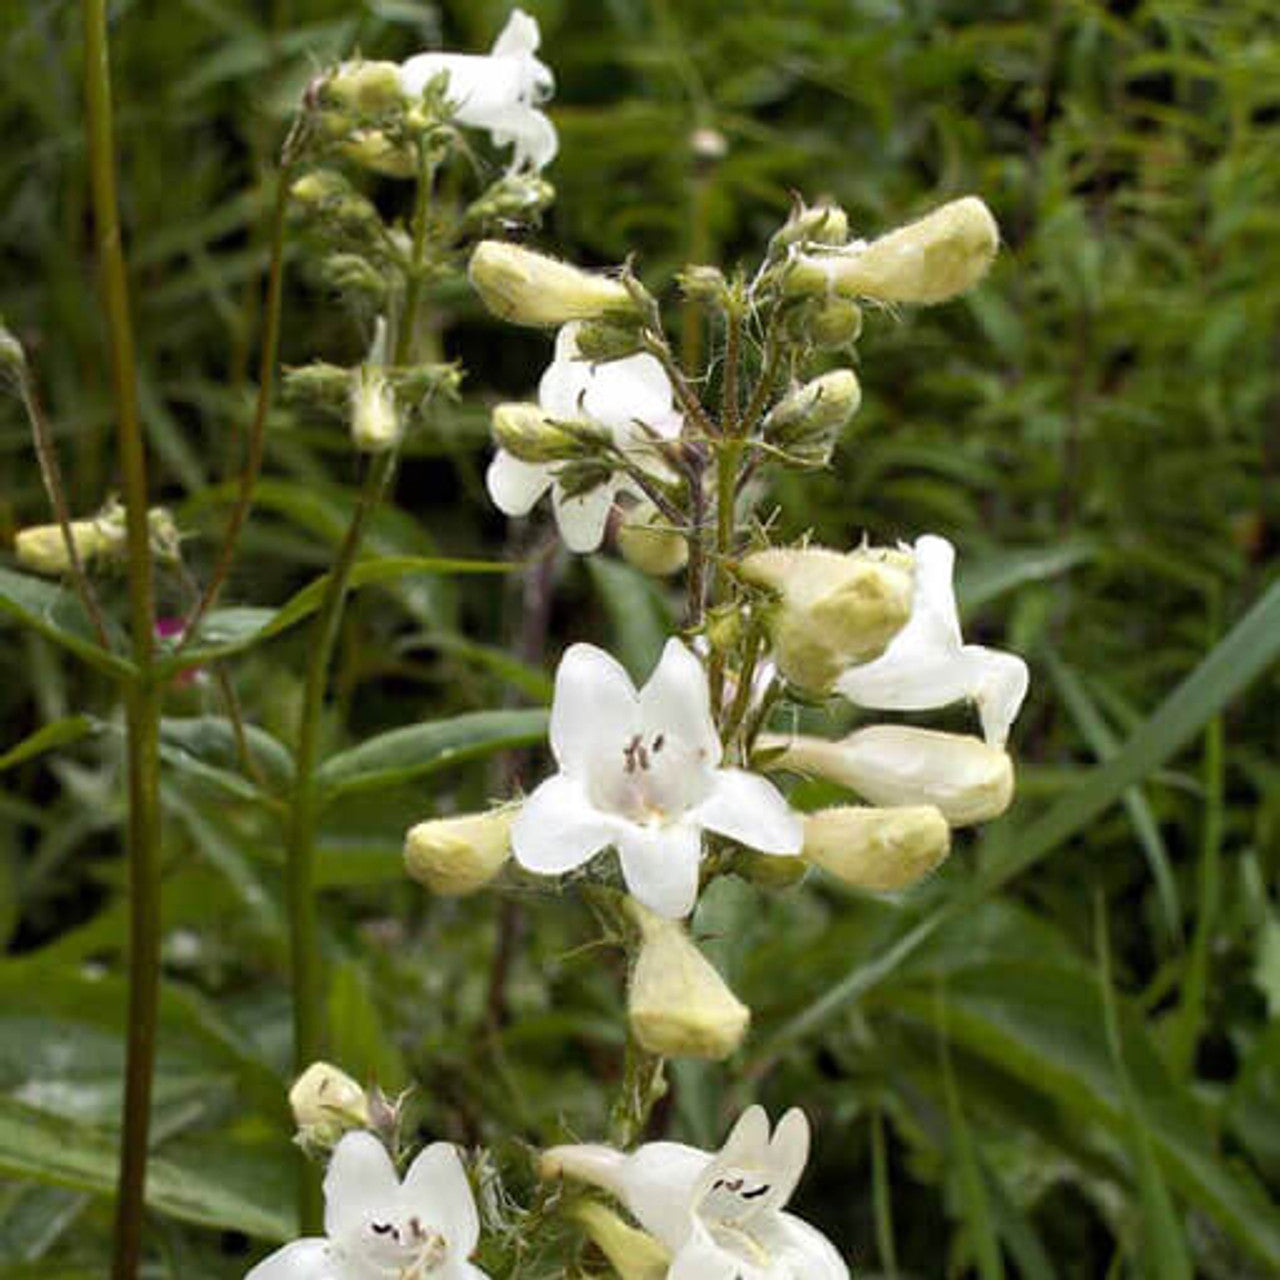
(142,703)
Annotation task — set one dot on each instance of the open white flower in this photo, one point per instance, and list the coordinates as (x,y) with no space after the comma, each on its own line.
(379,1228)
(721,1215)
(641,771)
(499,91)
(630,398)
(928,665)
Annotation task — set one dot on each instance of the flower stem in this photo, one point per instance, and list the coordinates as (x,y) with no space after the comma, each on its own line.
(142,702)
(51,474)
(304,808)
(258,428)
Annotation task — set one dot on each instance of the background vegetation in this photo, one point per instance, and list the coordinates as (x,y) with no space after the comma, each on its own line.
(1059,1058)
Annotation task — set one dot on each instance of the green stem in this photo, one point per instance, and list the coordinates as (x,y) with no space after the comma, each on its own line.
(51,474)
(258,429)
(142,704)
(643,1085)
(304,808)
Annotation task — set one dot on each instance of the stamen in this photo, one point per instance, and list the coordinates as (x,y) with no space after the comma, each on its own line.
(659,742)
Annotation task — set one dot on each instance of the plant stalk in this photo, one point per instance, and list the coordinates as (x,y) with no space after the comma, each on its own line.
(142,703)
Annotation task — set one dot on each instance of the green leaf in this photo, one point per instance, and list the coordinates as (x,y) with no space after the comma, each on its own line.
(357,1033)
(216,1187)
(994,575)
(59,733)
(1042,1023)
(57,615)
(235,630)
(402,755)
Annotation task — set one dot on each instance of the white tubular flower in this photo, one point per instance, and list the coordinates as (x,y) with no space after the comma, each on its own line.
(641,771)
(499,91)
(630,399)
(721,1215)
(967,779)
(379,1228)
(928,665)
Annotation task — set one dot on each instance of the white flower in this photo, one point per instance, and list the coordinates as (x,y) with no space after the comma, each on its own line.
(379,1228)
(928,665)
(720,1215)
(641,771)
(499,91)
(631,399)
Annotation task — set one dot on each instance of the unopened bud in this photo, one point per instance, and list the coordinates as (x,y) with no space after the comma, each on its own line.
(530,288)
(373,150)
(833,610)
(527,433)
(458,856)
(647,541)
(326,385)
(601,341)
(518,197)
(931,260)
(705,284)
(808,422)
(375,422)
(369,88)
(13,358)
(351,274)
(832,322)
(319,187)
(325,1096)
(166,541)
(877,849)
(677,1004)
(819,224)
(963,777)
(43,548)
(708,145)
(632,1253)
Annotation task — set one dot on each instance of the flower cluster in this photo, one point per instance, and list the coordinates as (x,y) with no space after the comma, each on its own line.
(657,790)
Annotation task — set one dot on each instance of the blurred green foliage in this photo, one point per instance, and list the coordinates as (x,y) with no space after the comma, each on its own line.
(1098,428)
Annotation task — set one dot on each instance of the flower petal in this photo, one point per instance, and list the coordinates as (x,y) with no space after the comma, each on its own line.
(660,865)
(751,810)
(747,1145)
(557,828)
(521,35)
(701,1258)
(677,702)
(788,1154)
(582,519)
(437,1191)
(622,391)
(514,485)
(311,1259)
(933,592)
(360,1184)
(595,710)
(564,383)
(657,1183)
(808,1251)
(998,684)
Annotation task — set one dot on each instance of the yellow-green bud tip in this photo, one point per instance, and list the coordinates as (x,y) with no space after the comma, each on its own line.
(324,1096)
(678,1005)
(457,856)
(877,849)
(530,288)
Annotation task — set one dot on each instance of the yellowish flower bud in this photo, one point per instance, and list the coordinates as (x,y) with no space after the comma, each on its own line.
(13,358)
(325,1097)
(375,422)
(647,540)
(372,149)
(367,87)
(964,777)
(457,856)
(527,433)
(927,261)
(808,422)
(819,224)
(878,849)
(632,1253)
(677,1004)
(834,609)
(834,322)
(43,549)
(530,288)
